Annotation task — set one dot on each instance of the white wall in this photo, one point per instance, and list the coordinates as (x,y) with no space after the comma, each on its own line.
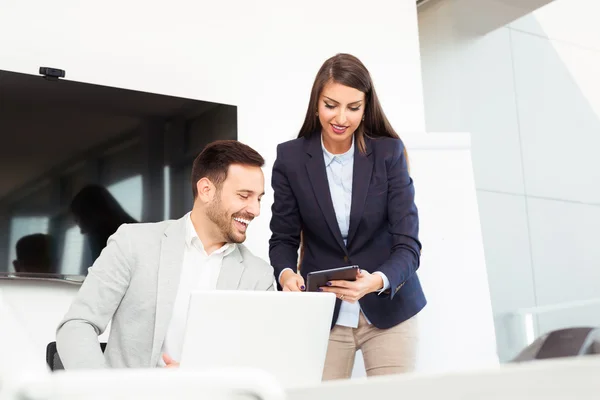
(483,16)
(456,326)
(30,312)
(530,95)
(18,355)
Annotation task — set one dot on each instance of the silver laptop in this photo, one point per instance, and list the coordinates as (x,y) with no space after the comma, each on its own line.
(282,333)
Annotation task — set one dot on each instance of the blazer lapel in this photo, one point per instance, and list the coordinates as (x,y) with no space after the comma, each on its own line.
(317,174)
(231,271)
(361,177)
(169,272)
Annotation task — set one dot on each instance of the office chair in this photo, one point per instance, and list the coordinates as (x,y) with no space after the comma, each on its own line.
(560,343)
(53,359)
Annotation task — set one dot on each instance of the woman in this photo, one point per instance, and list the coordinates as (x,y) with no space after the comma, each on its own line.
(344,185)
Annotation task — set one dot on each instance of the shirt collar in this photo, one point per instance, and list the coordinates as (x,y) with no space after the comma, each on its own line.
(192,239)
(341,158)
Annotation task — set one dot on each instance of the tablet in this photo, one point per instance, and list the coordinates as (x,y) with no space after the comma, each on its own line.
(320,278)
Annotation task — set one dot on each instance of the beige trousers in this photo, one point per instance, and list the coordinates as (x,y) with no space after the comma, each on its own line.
(385,351)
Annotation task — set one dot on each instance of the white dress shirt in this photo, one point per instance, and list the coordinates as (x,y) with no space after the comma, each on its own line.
(199,271)
(340,168)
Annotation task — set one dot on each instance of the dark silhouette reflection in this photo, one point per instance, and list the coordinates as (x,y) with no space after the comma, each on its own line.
(35,254)
(98,214)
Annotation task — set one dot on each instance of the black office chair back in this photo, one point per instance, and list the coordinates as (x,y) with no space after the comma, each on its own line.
(53,359)
(569,342)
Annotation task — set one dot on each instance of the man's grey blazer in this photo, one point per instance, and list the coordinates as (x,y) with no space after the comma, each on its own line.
(134,283)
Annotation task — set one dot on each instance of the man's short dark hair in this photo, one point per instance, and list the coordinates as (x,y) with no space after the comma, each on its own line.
(214,161)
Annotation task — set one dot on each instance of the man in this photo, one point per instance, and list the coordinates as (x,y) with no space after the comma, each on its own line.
(143,278)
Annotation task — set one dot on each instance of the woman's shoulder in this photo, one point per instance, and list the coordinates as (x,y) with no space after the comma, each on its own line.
(385,141)
(292,149)
(386,146)
(291,144)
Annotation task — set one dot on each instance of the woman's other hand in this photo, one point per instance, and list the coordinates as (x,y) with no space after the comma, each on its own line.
(292,282)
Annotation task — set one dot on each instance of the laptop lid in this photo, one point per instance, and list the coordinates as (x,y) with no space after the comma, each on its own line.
(283,333)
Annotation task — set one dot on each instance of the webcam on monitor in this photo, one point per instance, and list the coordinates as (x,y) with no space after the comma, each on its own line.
(52,73)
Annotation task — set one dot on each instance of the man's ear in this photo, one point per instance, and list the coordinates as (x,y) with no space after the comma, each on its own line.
(205,189)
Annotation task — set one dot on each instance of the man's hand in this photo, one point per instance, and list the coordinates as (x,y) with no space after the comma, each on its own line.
(352,291)
(292,282)
(170,363)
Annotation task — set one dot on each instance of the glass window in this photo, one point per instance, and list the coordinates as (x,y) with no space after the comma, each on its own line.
(167,192)
(128,193)
(72,252)
(122,164)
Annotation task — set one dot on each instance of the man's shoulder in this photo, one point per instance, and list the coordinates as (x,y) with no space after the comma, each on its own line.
(148,227)
(145,231)
(254,262)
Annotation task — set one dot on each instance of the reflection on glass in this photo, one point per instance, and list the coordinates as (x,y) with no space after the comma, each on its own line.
(128,193)
(72,254)
(35,254)
(136,149)
(23,226)
(98,214)
(167,194)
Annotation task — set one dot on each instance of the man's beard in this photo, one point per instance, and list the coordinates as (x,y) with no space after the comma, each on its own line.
(224,222)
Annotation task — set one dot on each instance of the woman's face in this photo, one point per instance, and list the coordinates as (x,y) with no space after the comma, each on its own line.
(341,109)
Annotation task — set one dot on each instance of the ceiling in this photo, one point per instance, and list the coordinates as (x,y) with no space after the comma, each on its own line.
(46,123)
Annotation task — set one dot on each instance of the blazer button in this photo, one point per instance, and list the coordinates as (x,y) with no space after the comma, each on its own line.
(346,259)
